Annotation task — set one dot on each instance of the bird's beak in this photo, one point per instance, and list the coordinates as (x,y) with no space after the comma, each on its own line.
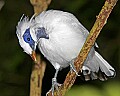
(33,56)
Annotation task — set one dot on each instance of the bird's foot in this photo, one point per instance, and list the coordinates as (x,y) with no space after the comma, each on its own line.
(55,85)
(72,68)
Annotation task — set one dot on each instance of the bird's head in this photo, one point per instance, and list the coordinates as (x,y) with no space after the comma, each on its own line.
(29,32)
(26,36)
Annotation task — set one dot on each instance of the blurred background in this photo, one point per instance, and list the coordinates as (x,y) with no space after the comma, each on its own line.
(16,66)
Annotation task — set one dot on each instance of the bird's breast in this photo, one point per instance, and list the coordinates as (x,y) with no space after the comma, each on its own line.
(62,46)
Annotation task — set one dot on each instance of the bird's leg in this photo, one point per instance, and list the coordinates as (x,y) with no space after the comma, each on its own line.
(72,67)
(54,83)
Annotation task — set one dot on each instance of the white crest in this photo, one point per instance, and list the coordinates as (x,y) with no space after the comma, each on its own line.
(24,24)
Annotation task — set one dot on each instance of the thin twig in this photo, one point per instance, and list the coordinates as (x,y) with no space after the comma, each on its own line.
(39,67)
(98,25)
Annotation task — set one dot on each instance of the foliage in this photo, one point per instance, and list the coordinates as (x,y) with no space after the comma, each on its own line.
(109,89)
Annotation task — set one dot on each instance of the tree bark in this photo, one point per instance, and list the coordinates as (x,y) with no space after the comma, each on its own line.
(39,66)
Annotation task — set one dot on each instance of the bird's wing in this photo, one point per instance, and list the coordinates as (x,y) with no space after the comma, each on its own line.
(68,33)
(65,32)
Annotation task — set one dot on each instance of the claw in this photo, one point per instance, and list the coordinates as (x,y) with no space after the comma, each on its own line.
(55,85)
(72,68)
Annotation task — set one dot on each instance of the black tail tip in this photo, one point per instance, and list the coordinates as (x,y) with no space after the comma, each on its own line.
(96,75)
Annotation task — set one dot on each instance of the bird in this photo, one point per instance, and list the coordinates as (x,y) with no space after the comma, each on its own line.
(60,36)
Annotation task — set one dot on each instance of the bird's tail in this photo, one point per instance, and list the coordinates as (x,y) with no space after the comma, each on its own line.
(97,68)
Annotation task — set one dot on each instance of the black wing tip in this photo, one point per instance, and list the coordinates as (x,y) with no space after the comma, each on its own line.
(96,75)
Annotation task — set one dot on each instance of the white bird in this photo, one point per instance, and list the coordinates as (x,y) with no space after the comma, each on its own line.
(60,37)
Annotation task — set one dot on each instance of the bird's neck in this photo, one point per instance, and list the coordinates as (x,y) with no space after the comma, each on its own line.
(40,32)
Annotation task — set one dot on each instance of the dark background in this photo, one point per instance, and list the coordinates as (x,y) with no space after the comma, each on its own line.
(16,66)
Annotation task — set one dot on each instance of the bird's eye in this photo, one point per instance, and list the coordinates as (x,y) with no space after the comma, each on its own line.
(28,39)
(27,36)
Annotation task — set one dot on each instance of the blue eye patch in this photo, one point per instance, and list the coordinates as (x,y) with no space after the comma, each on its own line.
(28,39)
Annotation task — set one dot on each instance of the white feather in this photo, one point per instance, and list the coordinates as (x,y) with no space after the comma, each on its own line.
(24,24)
(104,66)
(66,38)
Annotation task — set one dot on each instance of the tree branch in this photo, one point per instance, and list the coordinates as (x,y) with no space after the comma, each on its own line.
(39,66)
(36,77)
(2,2)
(98,25)
(40,5)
